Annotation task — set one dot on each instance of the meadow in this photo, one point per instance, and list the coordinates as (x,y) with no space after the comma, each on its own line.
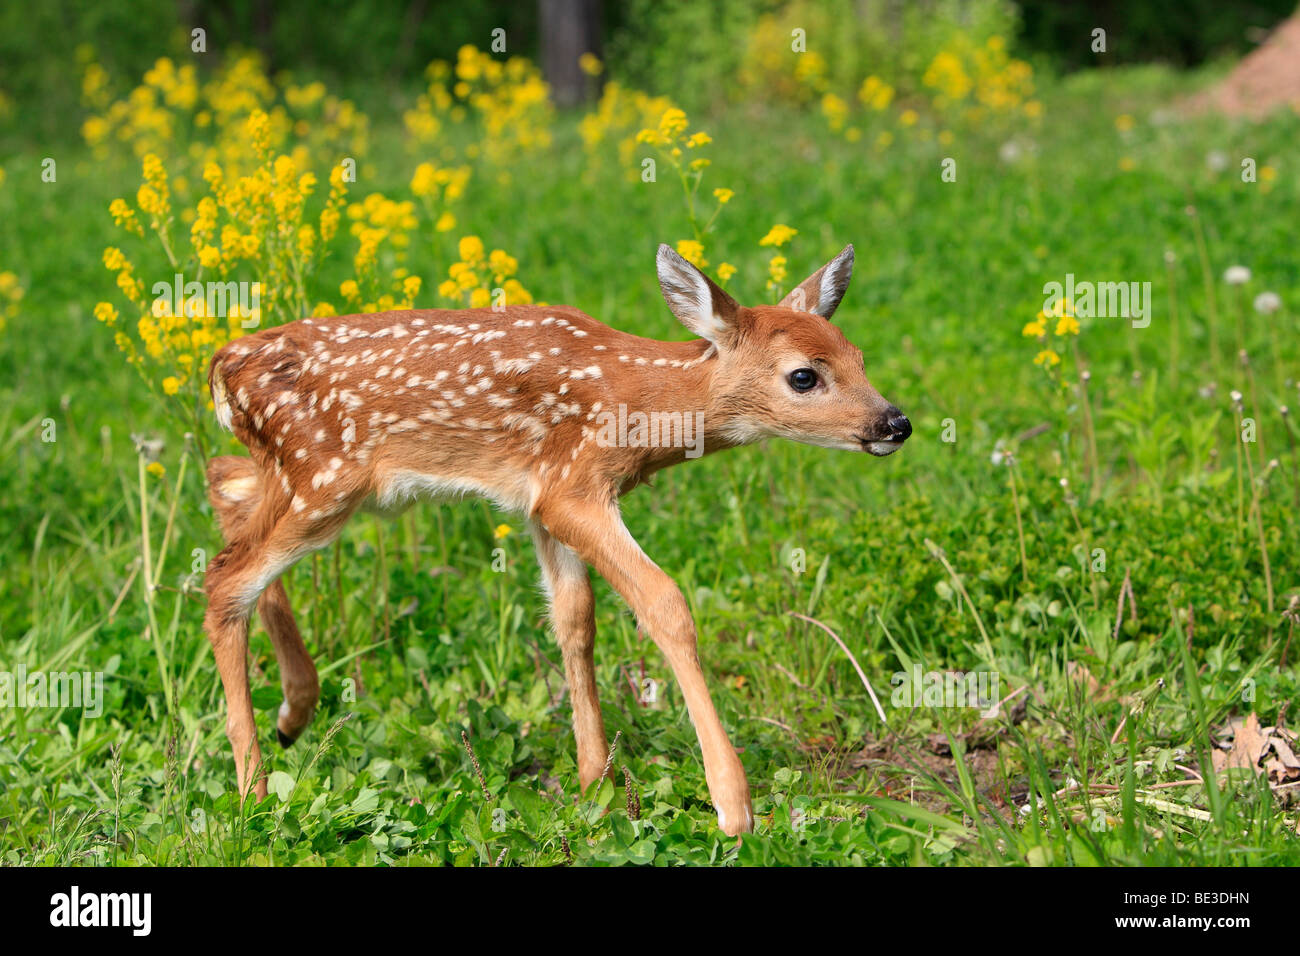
(1100,514)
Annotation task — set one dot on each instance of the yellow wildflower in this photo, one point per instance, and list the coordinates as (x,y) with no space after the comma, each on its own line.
(1047,358)
(778,235)
(471,249)
(692,251)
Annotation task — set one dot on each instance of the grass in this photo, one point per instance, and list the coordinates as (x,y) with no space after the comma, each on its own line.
(934,558)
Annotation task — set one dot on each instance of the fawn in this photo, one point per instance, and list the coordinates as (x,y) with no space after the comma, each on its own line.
(374,411)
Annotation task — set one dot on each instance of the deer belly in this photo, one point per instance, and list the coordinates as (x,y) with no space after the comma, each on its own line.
(399,489)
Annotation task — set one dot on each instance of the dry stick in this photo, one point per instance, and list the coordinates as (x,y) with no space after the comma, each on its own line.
(478,771)
(1000,704)
(844,647)
(942,558)
(121,596)
(796,681)
(775,723)
(1125,588)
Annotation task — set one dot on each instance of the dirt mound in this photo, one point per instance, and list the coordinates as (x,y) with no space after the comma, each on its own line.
(1265,80)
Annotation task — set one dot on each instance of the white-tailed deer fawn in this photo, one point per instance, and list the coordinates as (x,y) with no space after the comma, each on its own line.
(374,411)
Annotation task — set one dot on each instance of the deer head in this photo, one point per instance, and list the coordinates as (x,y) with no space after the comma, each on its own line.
(785,370)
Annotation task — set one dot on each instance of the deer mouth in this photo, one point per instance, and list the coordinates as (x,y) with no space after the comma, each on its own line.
(880,448)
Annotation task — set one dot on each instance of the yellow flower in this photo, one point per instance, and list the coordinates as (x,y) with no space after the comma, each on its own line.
(673,123)
(171,385)
(446,222)
(875,93)
(692,252)
(1067,325)
(424,182)
(908,117)
(114,260)
(1047,358)
(480,298)
(590,64)
(350,290)
(124,216)
(699,139)
(411,287)
(1124,122)
(723,196)
(1035,329)
(778,235)
(502,531)
(1127,164)
(156,469)
(105,312)
(471,249)
(726,270)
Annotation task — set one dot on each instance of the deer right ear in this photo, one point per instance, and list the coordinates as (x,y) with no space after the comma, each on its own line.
(696,300)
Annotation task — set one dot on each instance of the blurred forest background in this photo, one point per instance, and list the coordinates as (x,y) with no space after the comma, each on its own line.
(698,48)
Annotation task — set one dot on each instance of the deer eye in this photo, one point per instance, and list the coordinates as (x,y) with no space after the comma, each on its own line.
(802,379)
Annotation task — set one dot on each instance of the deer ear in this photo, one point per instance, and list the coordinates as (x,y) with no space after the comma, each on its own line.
(821,292)
(696,300)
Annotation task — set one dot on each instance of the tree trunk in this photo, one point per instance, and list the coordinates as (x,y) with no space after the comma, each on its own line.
(569,29)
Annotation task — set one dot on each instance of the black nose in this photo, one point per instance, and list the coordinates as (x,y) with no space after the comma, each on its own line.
(900,428)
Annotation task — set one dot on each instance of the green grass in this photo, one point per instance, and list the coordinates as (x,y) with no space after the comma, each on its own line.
(418,638)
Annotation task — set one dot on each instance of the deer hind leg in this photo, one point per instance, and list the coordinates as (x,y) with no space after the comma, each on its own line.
(298,677)
(573,616)
(235,490)
(597,533)
(266,539)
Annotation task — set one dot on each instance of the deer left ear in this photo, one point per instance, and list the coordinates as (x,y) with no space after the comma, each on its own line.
(697,301)
(821,292)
